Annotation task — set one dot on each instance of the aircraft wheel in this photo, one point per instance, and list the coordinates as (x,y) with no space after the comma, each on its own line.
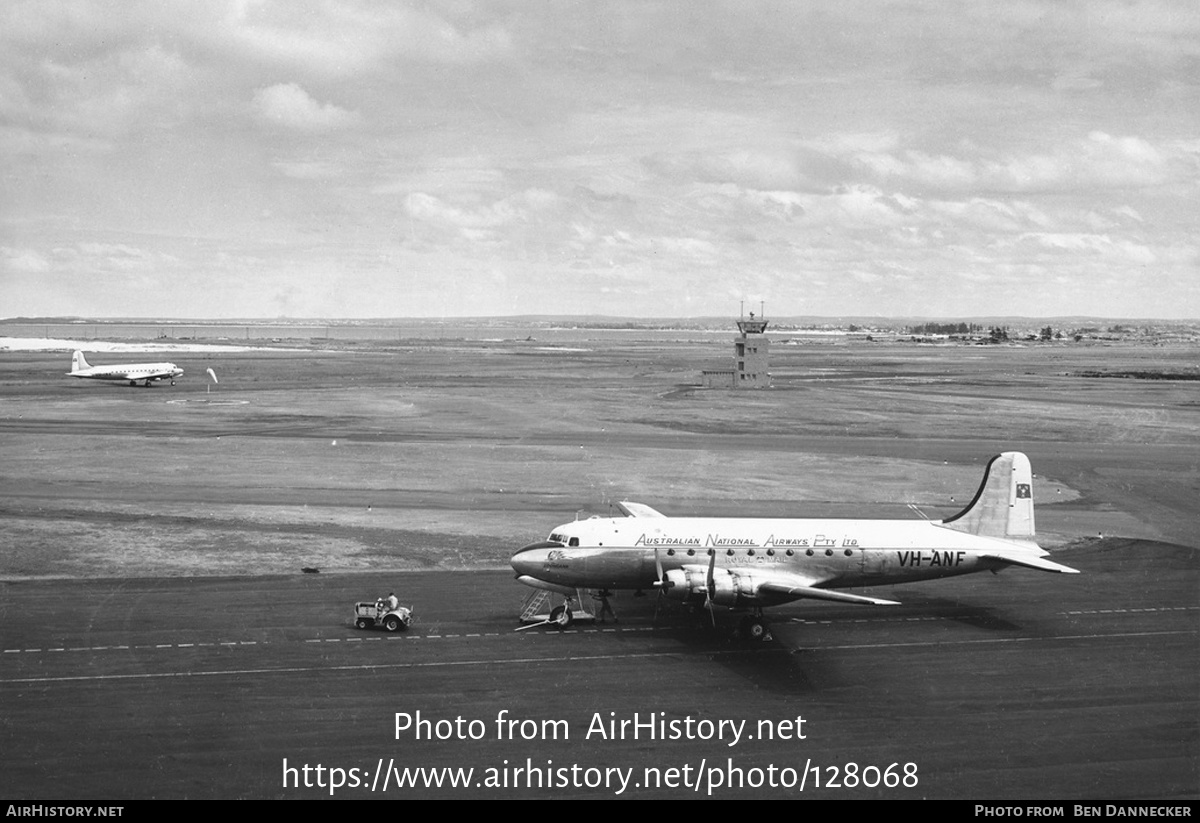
(561,617)
(362,623)
(754,629)
(392,623)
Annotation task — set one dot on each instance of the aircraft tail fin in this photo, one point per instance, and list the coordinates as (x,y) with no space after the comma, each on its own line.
(78,363)
(1003,506)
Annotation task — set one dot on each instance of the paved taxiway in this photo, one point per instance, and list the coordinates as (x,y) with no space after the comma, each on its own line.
(1011,686)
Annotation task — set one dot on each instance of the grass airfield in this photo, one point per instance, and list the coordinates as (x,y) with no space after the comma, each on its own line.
(451,454)
(194,657)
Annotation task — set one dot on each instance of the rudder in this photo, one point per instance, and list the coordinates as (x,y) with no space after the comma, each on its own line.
(1003,506)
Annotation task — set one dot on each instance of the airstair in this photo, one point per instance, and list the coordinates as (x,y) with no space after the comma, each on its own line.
(536,607)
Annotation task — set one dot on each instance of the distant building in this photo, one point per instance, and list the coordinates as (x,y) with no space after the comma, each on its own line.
(751,353)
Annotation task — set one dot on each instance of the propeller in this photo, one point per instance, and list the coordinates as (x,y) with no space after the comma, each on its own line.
(711,587)
(661,583)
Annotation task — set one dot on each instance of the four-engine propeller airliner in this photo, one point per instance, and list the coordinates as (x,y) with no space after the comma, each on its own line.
(753,563)
(134,372)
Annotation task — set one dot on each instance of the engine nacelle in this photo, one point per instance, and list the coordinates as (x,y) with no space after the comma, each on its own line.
(729,588)
(686,583)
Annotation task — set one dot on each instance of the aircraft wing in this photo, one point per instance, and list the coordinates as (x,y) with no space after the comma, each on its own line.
(638,510)
(1029,561)
(796,587)
(813,593)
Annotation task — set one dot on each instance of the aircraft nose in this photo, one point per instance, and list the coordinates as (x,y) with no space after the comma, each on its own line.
(532,558)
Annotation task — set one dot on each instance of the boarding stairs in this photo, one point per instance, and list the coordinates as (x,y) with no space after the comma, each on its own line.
(536,606)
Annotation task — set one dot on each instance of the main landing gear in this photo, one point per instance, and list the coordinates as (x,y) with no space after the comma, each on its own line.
(754,628)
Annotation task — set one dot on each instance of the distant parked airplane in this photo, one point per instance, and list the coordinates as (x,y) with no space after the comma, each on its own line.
(133,372)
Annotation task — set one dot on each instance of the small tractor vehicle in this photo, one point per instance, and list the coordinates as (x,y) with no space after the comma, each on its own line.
(377,615)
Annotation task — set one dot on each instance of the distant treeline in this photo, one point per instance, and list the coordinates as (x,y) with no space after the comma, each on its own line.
(946,328)
(994,334)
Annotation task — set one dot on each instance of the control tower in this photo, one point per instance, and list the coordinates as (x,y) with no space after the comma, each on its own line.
(751,354)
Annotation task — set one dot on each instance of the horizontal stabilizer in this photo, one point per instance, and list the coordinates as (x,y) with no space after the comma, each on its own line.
(1029,561)
(638,510)
(814,593)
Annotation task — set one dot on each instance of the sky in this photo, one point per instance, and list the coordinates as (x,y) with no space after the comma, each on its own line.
(240,159)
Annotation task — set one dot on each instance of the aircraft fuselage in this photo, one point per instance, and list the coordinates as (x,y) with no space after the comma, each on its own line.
(139,371)
(621,553)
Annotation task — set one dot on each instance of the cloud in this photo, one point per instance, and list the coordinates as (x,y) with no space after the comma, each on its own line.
(23,261)
(308,169)
(1096,244)
(343,38)
(288,105)
(857,170)
(649,147)
(753,166)
(92,93)
(1099,160)
(116,257)
(518,207)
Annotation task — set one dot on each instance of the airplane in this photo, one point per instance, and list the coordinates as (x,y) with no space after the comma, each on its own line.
(752,563)
(133,372)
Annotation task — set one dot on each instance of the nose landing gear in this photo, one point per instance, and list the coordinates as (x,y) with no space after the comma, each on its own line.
(561,617)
